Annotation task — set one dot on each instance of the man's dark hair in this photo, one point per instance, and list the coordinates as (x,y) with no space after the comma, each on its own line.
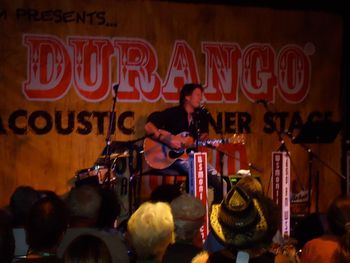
(87,248)
(187,90)
(21,201)
(110,208)
(165,193)
(47,220)
(338,215)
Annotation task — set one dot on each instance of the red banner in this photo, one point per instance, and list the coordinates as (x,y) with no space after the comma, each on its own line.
(281,187)
(199,185)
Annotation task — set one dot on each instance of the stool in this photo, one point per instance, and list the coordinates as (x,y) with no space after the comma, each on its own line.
(167,172)
(163,173)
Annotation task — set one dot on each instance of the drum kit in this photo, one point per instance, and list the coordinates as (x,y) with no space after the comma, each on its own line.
(125,159)
(98,173)
(116,166)
(116,171)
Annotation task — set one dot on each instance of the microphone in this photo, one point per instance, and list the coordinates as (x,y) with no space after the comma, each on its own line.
(115,88)
(203,109)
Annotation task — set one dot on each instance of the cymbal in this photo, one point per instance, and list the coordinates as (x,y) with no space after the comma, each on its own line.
(115,155)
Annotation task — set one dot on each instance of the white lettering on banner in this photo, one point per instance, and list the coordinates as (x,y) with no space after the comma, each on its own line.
(198,184)
(277,158)
(258,70)
(286,195)
(48,68)
(222,61)
(136,70)
(182,67)
(91,61)
(262,57)
(281,188)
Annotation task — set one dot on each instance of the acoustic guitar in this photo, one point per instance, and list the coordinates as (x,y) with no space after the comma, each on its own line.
(160,156)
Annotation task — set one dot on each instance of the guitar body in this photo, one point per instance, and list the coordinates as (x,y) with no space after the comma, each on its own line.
(161,156)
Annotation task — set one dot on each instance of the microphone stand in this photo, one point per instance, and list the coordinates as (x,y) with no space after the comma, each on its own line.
(282,147)
(248,164)
(312,156)
(196,120)
(221,159)
(204,112)
(108,137)
(134,188)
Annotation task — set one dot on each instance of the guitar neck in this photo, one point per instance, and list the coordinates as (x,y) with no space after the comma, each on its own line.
(212,141)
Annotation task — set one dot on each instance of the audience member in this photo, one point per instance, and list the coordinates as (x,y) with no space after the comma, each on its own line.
(165,193)
(150,231)
(84,204)
(250,184)
(188,213)
(334,247)
(7,241)
(87,249)
(308,228)
(109,209)
(245,224)
(46,222)
(21,201)
(116,247)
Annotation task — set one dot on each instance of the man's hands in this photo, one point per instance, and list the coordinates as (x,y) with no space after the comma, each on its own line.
(175,142)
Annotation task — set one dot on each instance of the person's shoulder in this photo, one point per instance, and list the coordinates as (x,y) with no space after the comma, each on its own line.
(174,109)
(327,242)
(170,110)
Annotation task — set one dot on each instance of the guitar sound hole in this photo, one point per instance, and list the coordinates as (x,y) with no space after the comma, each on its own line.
(175,154)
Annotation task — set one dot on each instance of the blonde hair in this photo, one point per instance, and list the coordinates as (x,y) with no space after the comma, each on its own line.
(151,229)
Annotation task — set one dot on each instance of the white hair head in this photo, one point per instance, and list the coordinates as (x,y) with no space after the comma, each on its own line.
(151,229)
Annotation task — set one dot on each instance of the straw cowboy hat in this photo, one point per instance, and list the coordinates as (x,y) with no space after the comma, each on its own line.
(240,220)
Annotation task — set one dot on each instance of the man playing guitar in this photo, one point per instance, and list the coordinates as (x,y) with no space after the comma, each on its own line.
(171,127)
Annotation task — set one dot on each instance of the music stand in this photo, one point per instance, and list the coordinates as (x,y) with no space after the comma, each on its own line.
(312,133)
(318,132)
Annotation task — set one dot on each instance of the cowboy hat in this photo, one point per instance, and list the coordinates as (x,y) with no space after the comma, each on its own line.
(240,219)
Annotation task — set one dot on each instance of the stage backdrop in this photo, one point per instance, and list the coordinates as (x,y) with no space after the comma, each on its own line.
(263,70)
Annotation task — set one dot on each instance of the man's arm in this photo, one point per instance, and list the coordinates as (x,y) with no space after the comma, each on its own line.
(153,130)
(162,136)
(204,136)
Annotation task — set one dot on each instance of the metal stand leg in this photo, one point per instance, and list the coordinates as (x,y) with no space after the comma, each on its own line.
(310,181)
